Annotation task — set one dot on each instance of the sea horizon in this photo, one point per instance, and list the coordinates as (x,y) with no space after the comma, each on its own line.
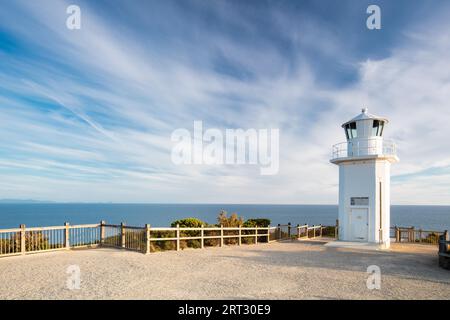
(36,214)
(31,201)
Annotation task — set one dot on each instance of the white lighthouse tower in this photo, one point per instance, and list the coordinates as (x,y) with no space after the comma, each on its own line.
(364,162)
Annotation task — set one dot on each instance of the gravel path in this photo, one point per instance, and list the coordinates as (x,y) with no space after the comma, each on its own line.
(286,270)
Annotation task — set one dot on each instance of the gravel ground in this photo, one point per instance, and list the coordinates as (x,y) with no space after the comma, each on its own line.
(285,270)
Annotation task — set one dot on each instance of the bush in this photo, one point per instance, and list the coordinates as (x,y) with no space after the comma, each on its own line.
(261,222)
(189,223)
(232,221)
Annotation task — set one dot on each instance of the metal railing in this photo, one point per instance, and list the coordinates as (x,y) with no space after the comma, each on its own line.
(305,231)
(364,147)
(31,240)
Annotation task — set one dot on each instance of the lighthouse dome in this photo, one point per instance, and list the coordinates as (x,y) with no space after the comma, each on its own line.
(364,125)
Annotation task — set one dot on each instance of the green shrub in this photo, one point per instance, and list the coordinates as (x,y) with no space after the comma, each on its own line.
(260,222)
(189,223)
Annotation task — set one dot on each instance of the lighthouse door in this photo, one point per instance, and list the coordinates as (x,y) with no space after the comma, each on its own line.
(358,224)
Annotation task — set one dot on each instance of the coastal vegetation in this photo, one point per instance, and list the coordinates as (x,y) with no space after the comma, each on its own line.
(232,221)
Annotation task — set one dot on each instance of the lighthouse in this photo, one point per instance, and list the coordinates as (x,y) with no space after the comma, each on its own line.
(364,162)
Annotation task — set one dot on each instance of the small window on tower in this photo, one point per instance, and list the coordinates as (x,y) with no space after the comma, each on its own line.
(359,201)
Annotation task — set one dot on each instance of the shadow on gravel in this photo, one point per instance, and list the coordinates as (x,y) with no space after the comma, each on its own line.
(313,254)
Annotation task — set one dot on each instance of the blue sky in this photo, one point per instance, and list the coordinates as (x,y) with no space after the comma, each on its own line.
(86,115)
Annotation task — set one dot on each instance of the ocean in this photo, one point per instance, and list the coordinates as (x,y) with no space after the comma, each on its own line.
(161,215)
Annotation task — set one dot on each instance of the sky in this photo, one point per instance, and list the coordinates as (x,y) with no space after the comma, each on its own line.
(87,115)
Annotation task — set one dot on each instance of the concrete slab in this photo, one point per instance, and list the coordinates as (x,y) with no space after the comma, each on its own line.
(356,245)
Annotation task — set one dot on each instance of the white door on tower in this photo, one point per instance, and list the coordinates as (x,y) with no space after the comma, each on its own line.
(358,224)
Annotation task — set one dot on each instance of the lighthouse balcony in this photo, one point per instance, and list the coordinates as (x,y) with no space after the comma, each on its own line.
(364,148)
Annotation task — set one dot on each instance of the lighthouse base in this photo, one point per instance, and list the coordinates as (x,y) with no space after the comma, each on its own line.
(358,245)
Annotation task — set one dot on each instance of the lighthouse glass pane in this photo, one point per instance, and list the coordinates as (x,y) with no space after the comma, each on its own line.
(347,131)
(353,133)
(375,127)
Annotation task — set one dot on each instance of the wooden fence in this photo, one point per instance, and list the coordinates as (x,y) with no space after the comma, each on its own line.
(148,239)
(413,235)
(19,241)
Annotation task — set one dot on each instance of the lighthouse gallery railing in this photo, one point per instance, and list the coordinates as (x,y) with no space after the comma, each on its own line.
(364,147)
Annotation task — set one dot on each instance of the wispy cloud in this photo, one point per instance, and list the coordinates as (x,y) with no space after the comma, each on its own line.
(87,115)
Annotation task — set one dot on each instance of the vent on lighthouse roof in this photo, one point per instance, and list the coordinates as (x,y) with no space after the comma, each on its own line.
(365,115)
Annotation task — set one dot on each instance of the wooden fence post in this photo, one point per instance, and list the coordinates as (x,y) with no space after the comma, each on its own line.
(240,235)
(298,231)
(178,237)
(420,235)
(147,238)
(397,234)
(221,235)
(279,232)
(66,235)
(314,230)
(122,234)
(268,233)
(102,232)
(336,231)
(256,235)
(289,230)
(202,234)
(22,239)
